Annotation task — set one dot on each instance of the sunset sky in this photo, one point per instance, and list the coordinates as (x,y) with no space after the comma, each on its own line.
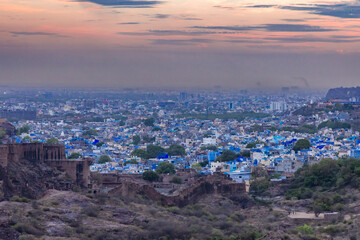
(180,43)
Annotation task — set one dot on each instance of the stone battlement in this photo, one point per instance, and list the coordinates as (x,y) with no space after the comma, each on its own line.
(50,154)
(34,152)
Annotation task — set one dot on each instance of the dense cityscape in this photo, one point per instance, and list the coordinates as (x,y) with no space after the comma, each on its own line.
(190,130)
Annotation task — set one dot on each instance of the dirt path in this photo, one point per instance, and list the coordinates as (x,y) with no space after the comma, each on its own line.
(300,215)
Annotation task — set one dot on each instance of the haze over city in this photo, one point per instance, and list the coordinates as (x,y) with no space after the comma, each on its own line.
(180,44)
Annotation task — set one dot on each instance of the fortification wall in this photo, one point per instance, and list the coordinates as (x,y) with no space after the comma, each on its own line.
(205,185)
(54,151)
(78,170)
(51,154)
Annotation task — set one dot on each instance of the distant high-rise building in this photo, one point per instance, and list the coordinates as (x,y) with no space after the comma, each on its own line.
(280,106)
(231,106)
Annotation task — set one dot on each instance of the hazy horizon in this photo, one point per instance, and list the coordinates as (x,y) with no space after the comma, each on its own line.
(179,44)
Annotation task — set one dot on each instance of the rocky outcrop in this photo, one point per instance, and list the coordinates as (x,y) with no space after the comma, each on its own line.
(31,180)
(216,184)
(343,93)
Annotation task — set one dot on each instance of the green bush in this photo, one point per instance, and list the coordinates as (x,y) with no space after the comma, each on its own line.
(333,229)
(259,186)
(305,229)
(20,199)
(55,202)
(150,176)
(176,180)
(91,211)
(338,207)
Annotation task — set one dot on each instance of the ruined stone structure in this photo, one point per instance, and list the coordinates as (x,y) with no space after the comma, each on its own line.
(50,154)
(77,169)
(212,184)
(34,152)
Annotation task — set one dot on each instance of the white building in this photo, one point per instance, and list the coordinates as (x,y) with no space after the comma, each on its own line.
(209,141)
(278,106)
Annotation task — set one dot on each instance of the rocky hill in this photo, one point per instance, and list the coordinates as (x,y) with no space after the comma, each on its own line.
(30,180)
(343,93)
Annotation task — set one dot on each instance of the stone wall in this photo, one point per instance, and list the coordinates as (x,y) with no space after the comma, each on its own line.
(77,169)
(205,185)
(54,151)
(34,152)
(51,154)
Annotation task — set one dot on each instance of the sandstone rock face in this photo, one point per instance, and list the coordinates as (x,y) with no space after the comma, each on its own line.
(216,184)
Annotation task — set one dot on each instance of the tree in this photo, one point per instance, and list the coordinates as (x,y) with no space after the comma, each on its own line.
(156,129)
(153,151)
(150,176)
(104,159)
(27,139)
(301,144)
(2,133)
(176,180)
(204,163)
(99,144)
(140,153)
(165,167)
(227,156)
(23,129)
(136,140)
(90,132)
(176,150)
(149,122)
(244,153)
(148,139)
(276,176)
(52,141)
(132,161)
(75,155)
(258,172)
(334,125)
(196,166)
(251,145)
(259,186)
(209,147)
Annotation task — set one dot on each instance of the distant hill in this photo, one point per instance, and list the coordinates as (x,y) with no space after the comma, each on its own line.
(343,93)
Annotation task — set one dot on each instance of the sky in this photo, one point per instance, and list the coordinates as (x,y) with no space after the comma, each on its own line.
(235,44)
